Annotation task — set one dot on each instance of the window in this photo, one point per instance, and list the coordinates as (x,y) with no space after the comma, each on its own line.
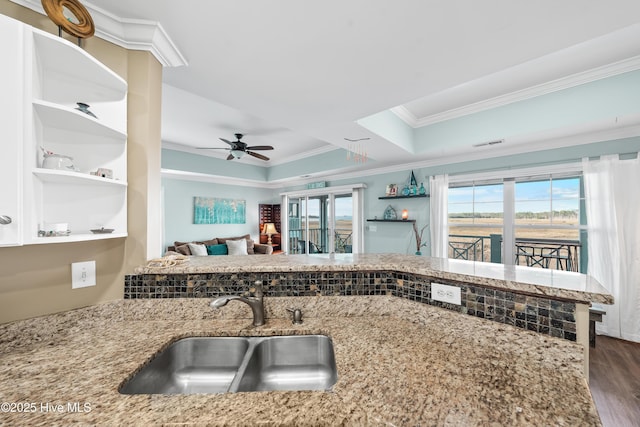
(547,223)
(536,221)
(475,213)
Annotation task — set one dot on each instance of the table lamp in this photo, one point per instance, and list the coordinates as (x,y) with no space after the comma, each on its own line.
(269,230)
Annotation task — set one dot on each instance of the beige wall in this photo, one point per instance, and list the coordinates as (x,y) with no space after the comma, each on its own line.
(36,279)
(144,208)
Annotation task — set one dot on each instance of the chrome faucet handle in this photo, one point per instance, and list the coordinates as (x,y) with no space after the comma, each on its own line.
(258,286)
(297,315)
(5,219)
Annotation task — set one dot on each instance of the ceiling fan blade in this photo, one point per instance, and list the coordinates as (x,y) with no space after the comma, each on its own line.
(259,156)
(228,142)
(230,157)
(260,147)
(210,148)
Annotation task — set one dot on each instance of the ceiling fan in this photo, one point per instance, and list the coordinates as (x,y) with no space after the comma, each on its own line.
(238,149)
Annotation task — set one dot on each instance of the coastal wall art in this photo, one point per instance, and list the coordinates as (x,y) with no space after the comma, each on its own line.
(210,210)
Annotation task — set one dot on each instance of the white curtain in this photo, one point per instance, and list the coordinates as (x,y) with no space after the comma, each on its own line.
(439,208)
(612,200)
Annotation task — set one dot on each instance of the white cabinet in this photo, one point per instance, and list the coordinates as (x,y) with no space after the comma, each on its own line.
(11,131)
(57,75)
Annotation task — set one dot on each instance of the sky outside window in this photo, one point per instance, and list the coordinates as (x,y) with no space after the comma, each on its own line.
(344,207)
(550,201)
(472,204)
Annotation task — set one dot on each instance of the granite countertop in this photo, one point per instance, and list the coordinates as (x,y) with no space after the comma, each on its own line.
(535,281)
(399,363)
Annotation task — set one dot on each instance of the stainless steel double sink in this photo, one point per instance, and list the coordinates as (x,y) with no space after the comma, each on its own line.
(236,364)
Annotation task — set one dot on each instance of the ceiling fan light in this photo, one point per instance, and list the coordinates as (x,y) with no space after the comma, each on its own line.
(237,153)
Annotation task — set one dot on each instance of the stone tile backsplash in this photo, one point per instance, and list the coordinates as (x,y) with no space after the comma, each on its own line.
(543,315)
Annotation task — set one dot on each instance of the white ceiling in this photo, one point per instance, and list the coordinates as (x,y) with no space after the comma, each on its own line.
(298,74)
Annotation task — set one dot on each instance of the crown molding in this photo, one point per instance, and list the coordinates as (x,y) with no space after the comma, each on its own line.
(132,34)
(407,116)
(610,70)
(216,179)
(622,128)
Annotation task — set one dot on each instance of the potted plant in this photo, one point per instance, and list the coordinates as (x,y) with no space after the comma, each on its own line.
(419,244)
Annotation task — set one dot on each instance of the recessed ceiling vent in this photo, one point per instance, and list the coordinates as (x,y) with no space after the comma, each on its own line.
(484,144)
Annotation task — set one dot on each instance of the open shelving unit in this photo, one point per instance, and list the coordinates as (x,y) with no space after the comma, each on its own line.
(410,221)
(58,76)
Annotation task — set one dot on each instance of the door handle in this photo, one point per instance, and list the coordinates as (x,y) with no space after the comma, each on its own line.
(5,219)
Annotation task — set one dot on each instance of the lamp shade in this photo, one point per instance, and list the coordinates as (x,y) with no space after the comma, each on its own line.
(270,228)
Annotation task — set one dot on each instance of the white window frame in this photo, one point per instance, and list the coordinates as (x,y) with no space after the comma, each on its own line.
(509,177)
(357,195)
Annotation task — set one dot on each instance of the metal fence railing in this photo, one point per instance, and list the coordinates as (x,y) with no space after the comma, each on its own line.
(557,254)
(470,248)
(549,253)
(318,240)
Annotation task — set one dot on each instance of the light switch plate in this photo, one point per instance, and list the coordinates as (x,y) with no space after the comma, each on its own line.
(446,293)
(83,274)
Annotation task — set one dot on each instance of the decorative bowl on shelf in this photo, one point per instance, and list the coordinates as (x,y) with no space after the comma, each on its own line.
(102,230)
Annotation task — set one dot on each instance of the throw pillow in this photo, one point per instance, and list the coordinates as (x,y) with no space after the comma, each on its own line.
(203,242)
(183,249)
(197,249)
(250,247)
(224,239)
(209,242)
(237,247)
(217,249)
(247,237)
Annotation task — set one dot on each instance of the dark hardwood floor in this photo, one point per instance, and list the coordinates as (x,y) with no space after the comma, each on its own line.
(614,371)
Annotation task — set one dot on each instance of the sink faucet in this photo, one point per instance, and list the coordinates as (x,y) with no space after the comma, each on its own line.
(255,302)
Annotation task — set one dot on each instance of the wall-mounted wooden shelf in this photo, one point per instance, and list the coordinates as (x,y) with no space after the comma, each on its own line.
(391,220)
(417,196)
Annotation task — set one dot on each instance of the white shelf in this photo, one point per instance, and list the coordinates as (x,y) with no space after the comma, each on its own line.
(76,238)
(68,177)
(83,78)
(62,117)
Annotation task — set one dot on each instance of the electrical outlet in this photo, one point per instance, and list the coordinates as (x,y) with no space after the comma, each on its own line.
(83,274)
(445,293)
(373,228)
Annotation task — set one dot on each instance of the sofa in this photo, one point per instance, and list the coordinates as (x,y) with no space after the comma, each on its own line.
(221,246)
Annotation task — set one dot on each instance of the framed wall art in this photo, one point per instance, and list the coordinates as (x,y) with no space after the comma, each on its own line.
(392,190)
(210,210)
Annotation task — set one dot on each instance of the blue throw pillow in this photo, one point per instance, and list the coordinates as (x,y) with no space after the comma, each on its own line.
(217,249)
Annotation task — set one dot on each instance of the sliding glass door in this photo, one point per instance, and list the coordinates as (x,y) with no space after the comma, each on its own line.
(343,224)
(324,222)
(306,225)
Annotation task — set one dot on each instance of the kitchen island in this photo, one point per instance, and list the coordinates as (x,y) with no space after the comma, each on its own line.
(564,285)
(550,302)
(399,362)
